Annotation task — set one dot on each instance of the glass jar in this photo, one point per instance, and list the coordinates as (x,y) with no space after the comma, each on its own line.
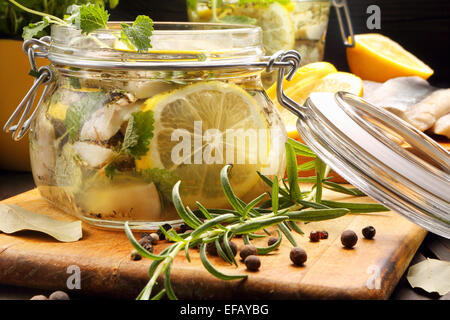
(294,24)
(116,129)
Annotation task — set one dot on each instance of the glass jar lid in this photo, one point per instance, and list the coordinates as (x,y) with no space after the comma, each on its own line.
(382,155)
(198,45)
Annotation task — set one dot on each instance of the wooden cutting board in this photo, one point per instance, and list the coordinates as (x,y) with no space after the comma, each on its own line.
(331,272)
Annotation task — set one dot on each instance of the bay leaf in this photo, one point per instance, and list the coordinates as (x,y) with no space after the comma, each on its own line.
(14,218)
(431,275)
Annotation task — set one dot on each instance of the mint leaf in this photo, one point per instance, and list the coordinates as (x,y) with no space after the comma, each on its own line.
(92,17)
(110,171)
(33,29)
(162,178)
(80,111)
(138,134)
(240,19)
(138,34)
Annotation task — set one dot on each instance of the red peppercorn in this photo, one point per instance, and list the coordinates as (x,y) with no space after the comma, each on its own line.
(323,234)
(314,236)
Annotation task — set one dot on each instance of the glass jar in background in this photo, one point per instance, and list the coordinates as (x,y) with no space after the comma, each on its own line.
(290,24)
(116,129)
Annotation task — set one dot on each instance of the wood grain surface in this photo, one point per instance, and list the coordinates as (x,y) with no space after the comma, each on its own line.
(34,260)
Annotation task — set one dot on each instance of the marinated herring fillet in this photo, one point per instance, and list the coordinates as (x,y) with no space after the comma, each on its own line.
(423,115)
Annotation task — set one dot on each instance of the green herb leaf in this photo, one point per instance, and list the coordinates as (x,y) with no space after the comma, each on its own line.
(255,225)
(138,34)
(317,214)
(110,171)
(191,4)
(35,29)
(92,17)
(190,219)
(292,174)
(167,285)
(138,134)
(211,269)
(220,251)
(269,249)
(320,172)
(295,227)
(301,149)
(158,296)
(356,207)
(226,186)
(162,178)
(339,188)
(227,247)
(81,111)
(274,195)
(211,223)
(288,234)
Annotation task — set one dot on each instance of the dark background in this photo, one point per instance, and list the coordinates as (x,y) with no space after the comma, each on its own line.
(420,26)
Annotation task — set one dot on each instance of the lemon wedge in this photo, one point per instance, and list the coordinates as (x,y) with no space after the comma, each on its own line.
(215,106)
(378,58)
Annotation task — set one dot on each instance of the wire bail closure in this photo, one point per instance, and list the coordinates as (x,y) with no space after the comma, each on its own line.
(342,5)
(33,48)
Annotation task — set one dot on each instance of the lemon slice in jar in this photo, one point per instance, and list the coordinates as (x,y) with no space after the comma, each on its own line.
(276,23)
(183,117)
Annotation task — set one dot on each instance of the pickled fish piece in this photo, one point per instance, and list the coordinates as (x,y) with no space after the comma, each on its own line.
(43,152)
(129,200)
(105,122)
(423,115)
(396,95)
(442,126)
(92,154)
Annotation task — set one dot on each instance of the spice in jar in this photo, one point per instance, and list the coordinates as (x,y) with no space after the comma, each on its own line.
(248,250)
(349,239)
(314,236)
(298,256)
(252,263)
(369,232)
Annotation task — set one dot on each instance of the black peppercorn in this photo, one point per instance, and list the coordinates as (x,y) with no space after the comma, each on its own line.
(349,238)
(314,236)
(272,240)
(298,256)
(59,295)
(248,250)
(135,256)
(161,235)
(147,243)
(323,234)
(184,227)
(369,232)
(252,262)
(39,297)
(211,248)
(232,245)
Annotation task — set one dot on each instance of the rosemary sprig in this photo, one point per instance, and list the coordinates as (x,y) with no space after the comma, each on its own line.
(288,206)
